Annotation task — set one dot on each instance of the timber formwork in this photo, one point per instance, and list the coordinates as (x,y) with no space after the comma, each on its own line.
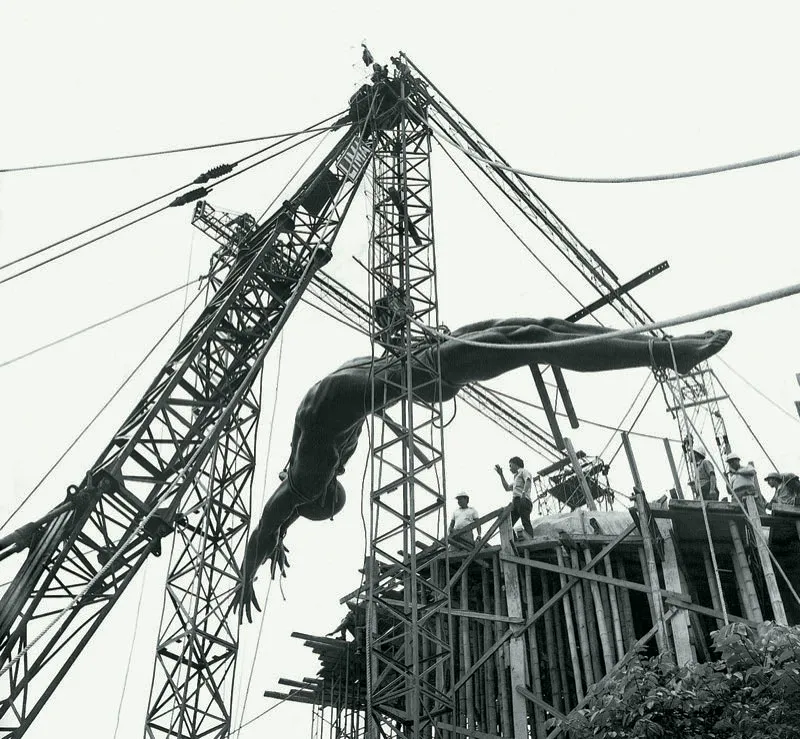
(536,625)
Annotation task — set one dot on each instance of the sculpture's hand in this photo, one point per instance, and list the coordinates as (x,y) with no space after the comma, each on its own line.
(498,469)
(279,559)
(246,599)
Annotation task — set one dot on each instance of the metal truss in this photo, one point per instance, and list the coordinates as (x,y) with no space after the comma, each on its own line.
(410,658)
(191,693)
(81,559)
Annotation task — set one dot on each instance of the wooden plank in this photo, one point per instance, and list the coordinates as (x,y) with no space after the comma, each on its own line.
(583,574)
(486,616)
(534,662)
(605,641)
(583,632)
(500,662)
(649,551)
(616,622)
(775,599)
(517,643)
(748,585)
(672,580)
(551,646)
(716,596)
(568,618)
(489,671)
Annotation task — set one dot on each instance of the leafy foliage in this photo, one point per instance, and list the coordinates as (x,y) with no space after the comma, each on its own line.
(752,692)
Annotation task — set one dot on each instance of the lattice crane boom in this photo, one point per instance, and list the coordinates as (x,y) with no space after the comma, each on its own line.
(90,551)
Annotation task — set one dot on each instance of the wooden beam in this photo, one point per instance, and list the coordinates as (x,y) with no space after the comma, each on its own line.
(523,691)
(584,574)
(517,645)
(547,405)
(649,550)
(672,580)
(775,599)
(486,616)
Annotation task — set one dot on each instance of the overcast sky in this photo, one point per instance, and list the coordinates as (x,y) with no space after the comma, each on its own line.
(585,89)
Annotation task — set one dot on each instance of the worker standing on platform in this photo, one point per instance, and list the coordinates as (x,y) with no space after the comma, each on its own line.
(786,486)
(706,479)
(743,480)
(462,517)
(520,492)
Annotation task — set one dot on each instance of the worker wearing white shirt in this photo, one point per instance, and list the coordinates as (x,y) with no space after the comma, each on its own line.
(462,517)
(743,480)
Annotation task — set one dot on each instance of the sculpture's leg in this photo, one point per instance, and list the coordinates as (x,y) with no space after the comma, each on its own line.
(463,363)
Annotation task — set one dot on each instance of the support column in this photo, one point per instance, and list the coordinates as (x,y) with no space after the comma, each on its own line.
(748,586)
(516,643)
(649,551)
(672,581)
(775,599)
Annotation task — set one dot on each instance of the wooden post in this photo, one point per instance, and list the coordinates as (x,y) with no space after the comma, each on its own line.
(614,604)
(628,629)
(533,646)
(675,478)
(583,631)
(440,630)
(488,668)
(576,465)
(516,643)
(679,623)
(551,642)
(600,611)
(649,552)
(775,599)
(716,596)
(748,586)
(468,694)
(745,605)
(573,646)
(591,620)
(500,659)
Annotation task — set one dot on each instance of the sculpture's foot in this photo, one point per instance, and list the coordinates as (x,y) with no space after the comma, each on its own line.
(691,350)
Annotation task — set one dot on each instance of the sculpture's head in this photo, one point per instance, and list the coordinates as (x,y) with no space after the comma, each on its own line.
(515,464)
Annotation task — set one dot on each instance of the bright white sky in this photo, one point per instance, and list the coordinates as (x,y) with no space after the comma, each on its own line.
(570,88)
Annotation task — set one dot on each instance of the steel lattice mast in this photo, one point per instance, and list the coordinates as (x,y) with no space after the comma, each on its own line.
(192,689)
(410,657)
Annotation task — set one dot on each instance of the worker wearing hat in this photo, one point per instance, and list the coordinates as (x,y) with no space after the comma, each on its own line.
(786,486)
(743,480)
(705,477)
(462,517)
